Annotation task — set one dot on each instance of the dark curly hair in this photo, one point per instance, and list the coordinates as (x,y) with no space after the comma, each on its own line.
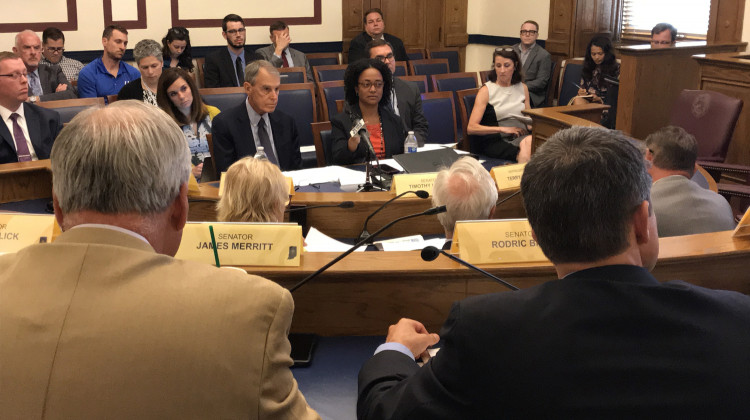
(608,66)
(351,79)
(178,33)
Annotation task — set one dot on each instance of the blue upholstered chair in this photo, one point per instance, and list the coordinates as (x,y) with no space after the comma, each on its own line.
(223,98)
(329,92)
(329,73)
(298,101)
(439,109)
(322,137)
(416,54)
(570,76)
(69,108)
(324,59)
(429,67)
(419,81)
(401,68)
(466,100)
(293,75)
(450,54)
(453,82)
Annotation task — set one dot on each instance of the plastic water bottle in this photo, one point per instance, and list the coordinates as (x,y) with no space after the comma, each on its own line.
(261,153)
(410,144)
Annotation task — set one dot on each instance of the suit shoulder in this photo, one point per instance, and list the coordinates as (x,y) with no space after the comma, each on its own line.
(44,113)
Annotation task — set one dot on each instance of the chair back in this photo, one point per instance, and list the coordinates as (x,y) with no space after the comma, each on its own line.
(340,105)
(484,76)
(329,73)
(200,71)
(293,75)
(224,97)
(453,82)
(69,108)
(298,101)
(709,116)
(440,111)
(110,99)
(570,76)
(323,138)
(324,59)
(429,67)
(419,81)
(209,168)
(416,53)
(466,100)
(450,54)
(401,69)
(329,92)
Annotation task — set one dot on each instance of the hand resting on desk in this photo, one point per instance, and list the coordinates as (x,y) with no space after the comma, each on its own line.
(413,335)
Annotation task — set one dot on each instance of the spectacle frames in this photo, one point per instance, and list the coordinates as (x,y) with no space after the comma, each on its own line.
(55,49)
(385,58)
(235,31)
(504,49)
(15,76)
(367,85)
(530,32)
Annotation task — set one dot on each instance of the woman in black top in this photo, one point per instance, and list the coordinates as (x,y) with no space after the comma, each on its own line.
(147,54)
(599,64)
(176,49)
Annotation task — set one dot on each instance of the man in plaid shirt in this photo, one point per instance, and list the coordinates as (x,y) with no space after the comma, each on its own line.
(53,46)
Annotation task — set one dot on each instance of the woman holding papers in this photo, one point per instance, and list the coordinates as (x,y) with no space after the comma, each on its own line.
(364,83)
(178,96)
(255,190)
(496,127)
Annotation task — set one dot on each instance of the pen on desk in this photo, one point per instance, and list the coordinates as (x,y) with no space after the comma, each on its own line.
(213,244)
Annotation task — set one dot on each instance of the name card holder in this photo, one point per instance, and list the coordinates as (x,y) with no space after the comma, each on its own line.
(412,182)
(508,177)
(743,227)
(18,231)
(495,242)
(260,244)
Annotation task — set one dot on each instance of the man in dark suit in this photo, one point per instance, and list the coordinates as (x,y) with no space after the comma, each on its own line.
(27,131)
(225,66)
(239,131)
(536,62)
(405,97)
(46,83)
(607,340)
(375,29)
(280,54)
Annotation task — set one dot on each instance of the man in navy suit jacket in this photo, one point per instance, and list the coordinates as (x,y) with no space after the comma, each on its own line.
(236,131)
(42,125)
(221,65)
(606,340)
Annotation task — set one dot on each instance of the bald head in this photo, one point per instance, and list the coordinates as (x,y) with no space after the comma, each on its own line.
(29,48)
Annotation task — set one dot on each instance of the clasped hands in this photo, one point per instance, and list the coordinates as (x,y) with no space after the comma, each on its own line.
(414,336)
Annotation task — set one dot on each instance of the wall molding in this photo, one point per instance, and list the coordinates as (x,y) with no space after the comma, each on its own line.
(127,24)
(71,24)
(315,19)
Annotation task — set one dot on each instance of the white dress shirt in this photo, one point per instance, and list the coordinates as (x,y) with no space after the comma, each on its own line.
(5,114)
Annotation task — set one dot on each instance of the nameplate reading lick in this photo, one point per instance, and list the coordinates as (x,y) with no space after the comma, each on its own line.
(263,244)
(412,182)
(21,230)
(496,241)
(508,177)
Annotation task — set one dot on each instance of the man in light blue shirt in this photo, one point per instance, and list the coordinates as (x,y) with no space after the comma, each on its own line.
(107,75)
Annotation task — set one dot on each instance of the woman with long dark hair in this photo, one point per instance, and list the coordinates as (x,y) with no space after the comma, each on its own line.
(176,49)
(599,64)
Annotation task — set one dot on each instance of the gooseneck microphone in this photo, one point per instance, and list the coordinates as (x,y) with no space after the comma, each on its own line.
(430,253)
(419,193)
(502,200)
(428,212)
(343,205)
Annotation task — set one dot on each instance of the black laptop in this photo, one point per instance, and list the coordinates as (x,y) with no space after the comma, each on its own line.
(429,161)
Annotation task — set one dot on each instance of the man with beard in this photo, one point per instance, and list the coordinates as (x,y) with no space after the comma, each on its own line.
(226,67)
(107,75)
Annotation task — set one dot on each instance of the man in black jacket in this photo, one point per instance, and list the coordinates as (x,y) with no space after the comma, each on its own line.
(225,67)
(375,29)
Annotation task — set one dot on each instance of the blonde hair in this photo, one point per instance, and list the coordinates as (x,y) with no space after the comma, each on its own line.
(255,190)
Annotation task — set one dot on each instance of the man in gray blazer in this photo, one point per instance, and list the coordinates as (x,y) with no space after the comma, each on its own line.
(46,83)
(280,54)
(536,62)
(405,97)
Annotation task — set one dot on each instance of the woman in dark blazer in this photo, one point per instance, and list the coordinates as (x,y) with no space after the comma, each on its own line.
(147,55)
(365,81)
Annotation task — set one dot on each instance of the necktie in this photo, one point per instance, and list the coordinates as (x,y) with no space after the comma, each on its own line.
(239,70)
(283,58)
(22,149)
(35,87)
(266,142)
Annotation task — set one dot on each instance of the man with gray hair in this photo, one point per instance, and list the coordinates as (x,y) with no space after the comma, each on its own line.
(467,191)
(46,83)
(682,206)
(606,340)
(103,322)
(239,131)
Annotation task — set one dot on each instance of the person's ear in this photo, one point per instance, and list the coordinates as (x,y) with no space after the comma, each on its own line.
(492,212)
(641,223)
(58,211)
(179,209)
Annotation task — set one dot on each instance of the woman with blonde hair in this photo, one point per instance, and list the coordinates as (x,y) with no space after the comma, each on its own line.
(255,190)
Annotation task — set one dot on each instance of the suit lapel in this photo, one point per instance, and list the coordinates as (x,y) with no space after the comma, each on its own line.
(5,134)
(33,124)
(530,59)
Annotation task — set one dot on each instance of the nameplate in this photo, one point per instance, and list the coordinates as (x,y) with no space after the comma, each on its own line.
(743,227)
(264,244)
(495,241)
(21,230)
(289,180)
(413,182)
(508,177)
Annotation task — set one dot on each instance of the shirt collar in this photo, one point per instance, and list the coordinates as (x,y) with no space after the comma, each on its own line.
(234,56)
(5,112)
(111,227)
(254,116)
(528,49)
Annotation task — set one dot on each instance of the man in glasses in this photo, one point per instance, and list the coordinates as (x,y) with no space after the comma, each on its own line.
(107,75)
(225,67)
(405,98)
(27,131)
(663,35)
(375,29)
(53,47)
(280,54)
(536,63)
(46,82)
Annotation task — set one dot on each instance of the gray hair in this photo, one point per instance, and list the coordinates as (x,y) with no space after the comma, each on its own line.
(147,48)
(22,33)
(673,148)
(128,157)
(252,69)
(467,190)
(580,190)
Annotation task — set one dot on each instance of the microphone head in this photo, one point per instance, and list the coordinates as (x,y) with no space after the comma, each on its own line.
(429,253)
(346,204)
(435,210)
(422,194)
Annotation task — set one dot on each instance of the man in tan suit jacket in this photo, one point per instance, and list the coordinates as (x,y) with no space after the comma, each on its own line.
(104,323)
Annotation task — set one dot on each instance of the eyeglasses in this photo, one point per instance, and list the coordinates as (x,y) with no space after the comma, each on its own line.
(661,42)
(504,49)
(385,58)
(15,76)
(367,85)
(235,31)
(525,32)
(178,30)
(55,49)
